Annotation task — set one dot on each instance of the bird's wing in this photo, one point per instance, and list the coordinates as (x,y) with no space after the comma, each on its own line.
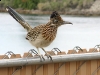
(34,32)
(18,18)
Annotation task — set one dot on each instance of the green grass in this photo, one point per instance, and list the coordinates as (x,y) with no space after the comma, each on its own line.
(44,5)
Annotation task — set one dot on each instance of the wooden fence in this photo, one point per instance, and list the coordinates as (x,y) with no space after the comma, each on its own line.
(86,67)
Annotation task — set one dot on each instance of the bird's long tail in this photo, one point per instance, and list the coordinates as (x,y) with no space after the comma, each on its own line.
(18,18)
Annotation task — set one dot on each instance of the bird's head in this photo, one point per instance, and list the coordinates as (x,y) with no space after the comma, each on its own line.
(56,19)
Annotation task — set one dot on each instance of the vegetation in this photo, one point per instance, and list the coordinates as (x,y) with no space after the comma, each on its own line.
(24,4)
(43,5)
(64,4)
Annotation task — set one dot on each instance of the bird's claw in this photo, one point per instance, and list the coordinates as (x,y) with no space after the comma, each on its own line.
(49,56)
(41,58)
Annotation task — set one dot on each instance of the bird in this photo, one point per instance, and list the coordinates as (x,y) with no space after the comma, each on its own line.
(42,35)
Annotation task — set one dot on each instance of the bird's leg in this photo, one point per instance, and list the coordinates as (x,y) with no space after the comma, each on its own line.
(41,56)
(47,54)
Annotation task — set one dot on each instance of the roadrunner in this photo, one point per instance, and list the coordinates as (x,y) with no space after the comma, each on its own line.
(43,35)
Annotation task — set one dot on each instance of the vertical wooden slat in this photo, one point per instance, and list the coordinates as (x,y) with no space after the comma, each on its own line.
(61,53)
(92,50)
(72,67)
(93,62)
(72,64)
(28,67)
(45,69)
(89,61)
(2,56)
(93,66)
(50,52)
(28,70)
(12,69)
(71,52)
(40,70)
(23,70)
(83,67)
(88,67)
(98,65)
(67,68)
(88,71)
(82,70)
(4,70)
(62,68)
(56,66)
(51,66)
(33,69)
(50,69)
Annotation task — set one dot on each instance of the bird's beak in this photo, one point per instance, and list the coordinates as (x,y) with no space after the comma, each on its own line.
(67,22)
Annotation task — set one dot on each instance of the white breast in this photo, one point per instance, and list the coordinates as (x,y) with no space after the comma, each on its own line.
(40,42)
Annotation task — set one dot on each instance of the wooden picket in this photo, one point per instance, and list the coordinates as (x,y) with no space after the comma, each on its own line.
(86,67)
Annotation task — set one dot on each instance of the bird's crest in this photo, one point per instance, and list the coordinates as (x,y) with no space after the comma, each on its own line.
(55,15)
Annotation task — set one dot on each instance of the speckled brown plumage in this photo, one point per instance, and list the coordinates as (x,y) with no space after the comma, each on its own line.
(48,32)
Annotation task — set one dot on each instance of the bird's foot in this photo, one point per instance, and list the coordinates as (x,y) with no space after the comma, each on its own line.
(41,58)
(49,56)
